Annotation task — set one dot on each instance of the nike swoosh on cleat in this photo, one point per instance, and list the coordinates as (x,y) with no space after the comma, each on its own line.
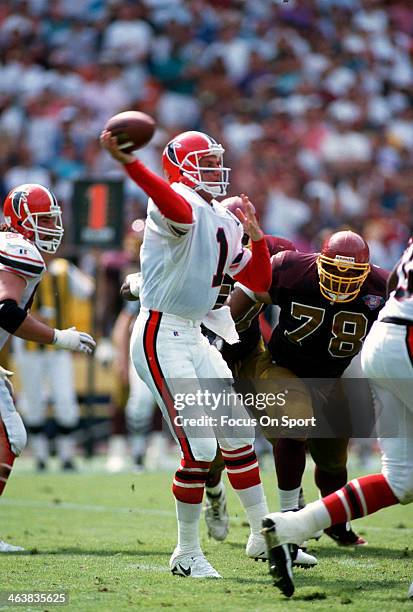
(185,570)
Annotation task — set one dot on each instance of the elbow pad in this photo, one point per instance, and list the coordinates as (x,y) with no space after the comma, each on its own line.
(11,315)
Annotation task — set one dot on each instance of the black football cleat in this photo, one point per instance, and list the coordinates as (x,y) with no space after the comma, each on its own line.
(343,535)
(279,559)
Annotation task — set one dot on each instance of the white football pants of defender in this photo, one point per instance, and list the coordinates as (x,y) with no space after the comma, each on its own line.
(16,432)
(55,368)
(386,361)
(168,347)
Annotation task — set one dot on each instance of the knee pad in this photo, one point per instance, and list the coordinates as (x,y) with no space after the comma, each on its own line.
(16,432)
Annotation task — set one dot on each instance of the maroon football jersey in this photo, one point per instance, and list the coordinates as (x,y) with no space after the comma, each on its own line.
(248,326)
(316,338)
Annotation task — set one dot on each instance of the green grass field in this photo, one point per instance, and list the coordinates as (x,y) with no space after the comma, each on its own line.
(106,540)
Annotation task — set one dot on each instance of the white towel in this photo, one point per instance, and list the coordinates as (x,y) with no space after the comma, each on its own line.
(221,323)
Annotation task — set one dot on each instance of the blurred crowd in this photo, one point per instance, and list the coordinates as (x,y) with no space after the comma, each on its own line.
(312,99)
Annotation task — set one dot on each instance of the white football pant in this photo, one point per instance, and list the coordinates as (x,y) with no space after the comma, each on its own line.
(167,347)
(386,361)
(12,421)
(54,367)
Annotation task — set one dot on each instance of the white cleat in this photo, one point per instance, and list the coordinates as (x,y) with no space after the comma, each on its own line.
(256,547)
(216,516)
(191,565)
(410,593)
(289,528)
(304,560)
(9,548)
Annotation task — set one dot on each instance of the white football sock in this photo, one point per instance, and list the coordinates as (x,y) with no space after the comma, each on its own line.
(137,445)
(65,445)
(40,446)
(306,522)
(255,505)
(289,499)
(188,516)
(315,515)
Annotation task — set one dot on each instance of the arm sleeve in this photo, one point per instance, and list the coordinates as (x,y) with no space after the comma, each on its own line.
(172,205)
(256,275)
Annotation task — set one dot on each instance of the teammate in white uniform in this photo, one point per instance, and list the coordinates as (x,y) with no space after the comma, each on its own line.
(190,242)
(387,359)
(49,372)
(32,222)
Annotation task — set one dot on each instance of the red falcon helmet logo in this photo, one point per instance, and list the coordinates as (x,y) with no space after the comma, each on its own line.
(17,198)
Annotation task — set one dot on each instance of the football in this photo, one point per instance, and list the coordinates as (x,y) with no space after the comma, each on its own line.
(132,129)
(232,203)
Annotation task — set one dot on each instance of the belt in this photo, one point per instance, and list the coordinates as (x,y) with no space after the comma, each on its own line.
(396,321)
(171,318)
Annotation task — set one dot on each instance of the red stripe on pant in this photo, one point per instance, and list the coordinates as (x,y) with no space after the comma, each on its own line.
(149,344)
(7,457)
(250,476)
(188,486)
(409,342)
(376,494)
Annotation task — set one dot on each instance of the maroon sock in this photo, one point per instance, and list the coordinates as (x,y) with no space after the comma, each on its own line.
(289,458)
(328,482)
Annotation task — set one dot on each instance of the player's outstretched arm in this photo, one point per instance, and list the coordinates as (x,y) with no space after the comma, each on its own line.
(70,339)
(256,275)
(241,300)
(170,203)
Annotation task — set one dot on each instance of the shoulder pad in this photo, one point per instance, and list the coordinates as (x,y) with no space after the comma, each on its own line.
(20,255)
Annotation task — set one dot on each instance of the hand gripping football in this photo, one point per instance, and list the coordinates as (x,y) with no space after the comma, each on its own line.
(133,130)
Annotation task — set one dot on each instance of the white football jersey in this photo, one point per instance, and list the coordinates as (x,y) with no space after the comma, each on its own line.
(400,302)
(183,264)
(21,257)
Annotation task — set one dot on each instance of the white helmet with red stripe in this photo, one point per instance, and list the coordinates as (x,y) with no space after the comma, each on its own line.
(181,163)
(33,211)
